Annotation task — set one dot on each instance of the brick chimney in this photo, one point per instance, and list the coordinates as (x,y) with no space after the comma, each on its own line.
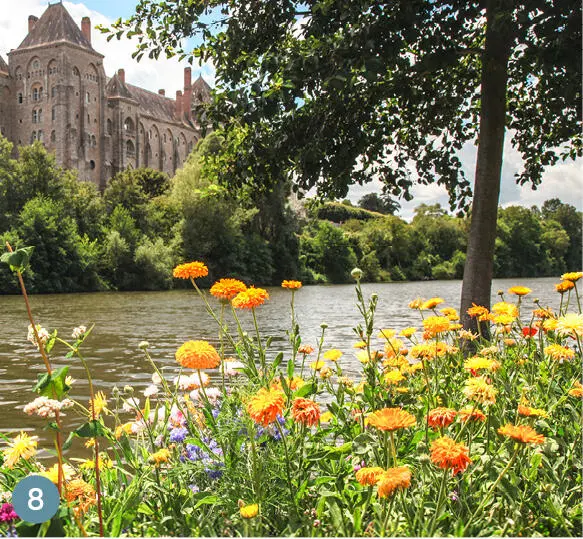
(86,28)
(122,75)
(187,92)
(179,104)
(161,91)
(31,23)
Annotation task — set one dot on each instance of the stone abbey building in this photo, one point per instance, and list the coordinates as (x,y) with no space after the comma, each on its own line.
(54,89)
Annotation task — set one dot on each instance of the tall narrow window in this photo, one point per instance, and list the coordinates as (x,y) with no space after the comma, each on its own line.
(20,97)
(54,114)
(35,94)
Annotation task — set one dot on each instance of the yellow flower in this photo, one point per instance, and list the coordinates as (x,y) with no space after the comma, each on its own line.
(326,417)
(477,362)
(292,285)
(558,352)
(163,455)
(451,313)
(408,332)
(317,365)
(573,276)
(89,464)
(249,511)
(364,357)
(333,355)
(126,429)
(502,307)
(386,333)
(479,312)
(325,372)
(519,290)
(98,405)
(416,303)
(550,324)
(191,270)
(436,324)
(52,474)
(503,319)
(359,345)
(198,355)
(22,446)
(477,389)
(431,303)
(394,378)
(570,324)
(489,350)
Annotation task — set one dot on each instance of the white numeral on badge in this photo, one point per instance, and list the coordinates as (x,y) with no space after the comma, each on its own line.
(35,499)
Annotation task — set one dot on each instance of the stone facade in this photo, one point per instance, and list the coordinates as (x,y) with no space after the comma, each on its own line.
(54,89)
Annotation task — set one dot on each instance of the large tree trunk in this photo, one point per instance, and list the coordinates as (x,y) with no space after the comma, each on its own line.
(479,266)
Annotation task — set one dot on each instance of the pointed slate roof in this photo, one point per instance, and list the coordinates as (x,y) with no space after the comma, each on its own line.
(117,88)
(55,25)
(3,66)
(153,104)
(201,91)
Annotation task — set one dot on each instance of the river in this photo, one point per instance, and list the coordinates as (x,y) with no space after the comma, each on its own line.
(167,319)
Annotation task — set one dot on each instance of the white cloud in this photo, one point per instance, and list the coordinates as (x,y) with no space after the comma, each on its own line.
(149,74)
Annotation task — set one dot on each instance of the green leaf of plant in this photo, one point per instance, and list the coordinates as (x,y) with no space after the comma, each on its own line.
(306,389)
(18,260)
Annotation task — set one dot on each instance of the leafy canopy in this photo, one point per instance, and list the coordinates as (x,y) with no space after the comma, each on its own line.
(333,93)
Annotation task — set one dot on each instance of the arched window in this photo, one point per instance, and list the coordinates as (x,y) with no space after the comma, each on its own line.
(53,114)
(128,125)
(130,148)
(109,127)
(92,164)
(93,141)
(33,137)
(53,136)
(35,94)
(40,135)
(54,91)
(35,116)
(87,97)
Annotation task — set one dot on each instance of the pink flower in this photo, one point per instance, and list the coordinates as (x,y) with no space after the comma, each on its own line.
(7,513)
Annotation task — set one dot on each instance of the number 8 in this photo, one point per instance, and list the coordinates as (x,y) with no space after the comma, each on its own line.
(35,499)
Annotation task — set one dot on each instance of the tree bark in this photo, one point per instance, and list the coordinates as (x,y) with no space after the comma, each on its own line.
(479,266)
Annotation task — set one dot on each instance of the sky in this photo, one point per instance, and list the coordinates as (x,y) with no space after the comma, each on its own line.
(563,181)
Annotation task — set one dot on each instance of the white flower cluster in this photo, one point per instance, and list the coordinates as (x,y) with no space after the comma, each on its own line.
(45,407)
(231,367)
(131,404)
(5,497)
(213,394)
(194,381)
(78,332)
(43,334)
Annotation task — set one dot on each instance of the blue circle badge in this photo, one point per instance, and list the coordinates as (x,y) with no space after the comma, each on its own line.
(35,499)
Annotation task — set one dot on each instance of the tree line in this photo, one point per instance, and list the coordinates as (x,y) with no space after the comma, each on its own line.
(131,236)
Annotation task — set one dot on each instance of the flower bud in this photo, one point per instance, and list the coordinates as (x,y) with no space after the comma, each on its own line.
(143,345)
(356,274)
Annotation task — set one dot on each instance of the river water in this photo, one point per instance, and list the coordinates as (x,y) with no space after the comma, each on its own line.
(167,319)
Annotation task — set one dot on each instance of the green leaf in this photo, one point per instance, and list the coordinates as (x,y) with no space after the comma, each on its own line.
(207,500)
(51,342)
(277,361)
(306,390)
(18,260)
(53,386)
(145,509)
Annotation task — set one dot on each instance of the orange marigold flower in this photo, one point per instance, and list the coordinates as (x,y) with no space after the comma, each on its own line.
(576,390)
(159,457)
(447,454)
(543,313)
(527,411)
(471,414)
(436,324)
(306,411)
(564,286)
(392,479)
(519,290)
(390,419)
(292,285)
(369,476)
(477,311)
(80,491)
(191,270)
(521,433)
(477,389)
(440,417)
(305,349)
(198,355)
(265,406)
(431,303)
(227,289)
(250,298)
(572,276)
(249,511)
(558,352)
